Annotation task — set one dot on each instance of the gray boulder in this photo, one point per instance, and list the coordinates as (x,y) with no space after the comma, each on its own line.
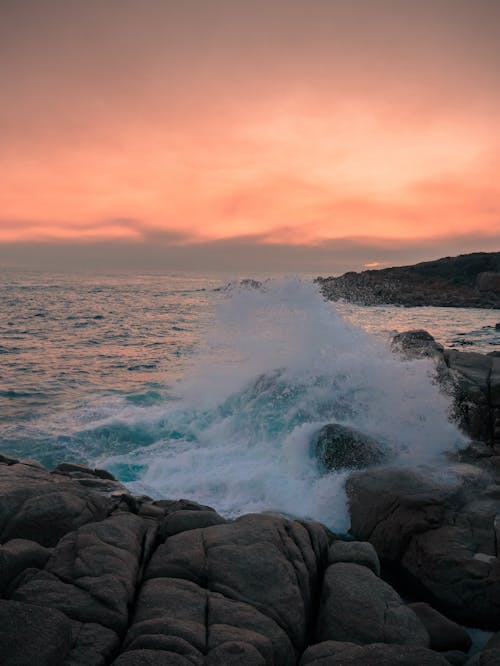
(341,447)
(91,577)
(443,536)
(241,592)
(18,555)
(444,634)
(336,653)
(356,552)
(43,507)
(152,658)
(358,607)
(32,635)
(485,658)
(416,344)
(183,520)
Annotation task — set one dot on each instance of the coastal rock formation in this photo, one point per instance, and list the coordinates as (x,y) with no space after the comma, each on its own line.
(440,535)
(473,379)
(469,280)
(134,581)
(341,447)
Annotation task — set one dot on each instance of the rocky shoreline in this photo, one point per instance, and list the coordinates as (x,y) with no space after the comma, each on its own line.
(466,281)
(92,575)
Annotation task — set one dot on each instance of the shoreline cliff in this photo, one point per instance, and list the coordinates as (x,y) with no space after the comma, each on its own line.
(466,281)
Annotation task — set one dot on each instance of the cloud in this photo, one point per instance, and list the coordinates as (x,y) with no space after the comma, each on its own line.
(243,255)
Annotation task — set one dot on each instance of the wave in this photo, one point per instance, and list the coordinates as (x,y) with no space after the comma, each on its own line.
(279,363)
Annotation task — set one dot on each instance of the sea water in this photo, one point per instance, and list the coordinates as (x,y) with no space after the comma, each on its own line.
(188,386)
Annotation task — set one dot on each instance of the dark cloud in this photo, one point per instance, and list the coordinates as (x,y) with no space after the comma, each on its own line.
(240,255)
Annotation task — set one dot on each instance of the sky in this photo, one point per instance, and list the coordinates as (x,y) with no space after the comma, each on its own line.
(274,135)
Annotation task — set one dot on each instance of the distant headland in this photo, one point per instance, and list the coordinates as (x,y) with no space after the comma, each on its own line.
(466,281)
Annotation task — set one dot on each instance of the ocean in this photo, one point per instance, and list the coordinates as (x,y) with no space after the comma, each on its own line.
(185,385)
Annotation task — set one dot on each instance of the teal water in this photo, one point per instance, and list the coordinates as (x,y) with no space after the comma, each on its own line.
(184,386)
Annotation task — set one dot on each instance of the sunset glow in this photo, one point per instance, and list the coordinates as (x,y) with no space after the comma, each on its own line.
(278,123)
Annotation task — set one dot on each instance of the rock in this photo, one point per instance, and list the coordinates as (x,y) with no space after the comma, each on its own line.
(341,447)
(358,607)
(474,452)
(455,657)
(494,642)
(416,344)
(93,645)
(389,506)
(442,536)
(42,507)
(356,552)
(489,281)
(169,506)
(239,592)
(32,635)
(335,653)
(92,577)
(469,280)
(151,658)
(471,374)
(18,555)
(76,471)
(7,460)
(485,658)
(444,634)
(180,521)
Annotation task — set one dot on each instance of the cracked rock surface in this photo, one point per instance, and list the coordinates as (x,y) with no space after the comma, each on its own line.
(92,576)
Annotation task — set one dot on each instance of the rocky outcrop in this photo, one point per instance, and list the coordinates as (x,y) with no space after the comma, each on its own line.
(441,536)
(130,582)
(472,379)
(469,280)
(476,389)
(416,344)
(340,447)
(352,590)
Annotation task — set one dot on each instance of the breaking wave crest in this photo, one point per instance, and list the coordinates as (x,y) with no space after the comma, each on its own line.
(279,364)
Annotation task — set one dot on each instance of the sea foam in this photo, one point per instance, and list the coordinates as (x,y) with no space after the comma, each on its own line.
(280,363)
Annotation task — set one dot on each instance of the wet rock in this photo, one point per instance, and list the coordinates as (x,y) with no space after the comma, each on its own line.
(472,379)
(444,634)
(358,607)
(471,373)
(76,471)
(356,552)
(474,451)
(336,653)
(341,447)
(416,344)
(32,635)
(7,460)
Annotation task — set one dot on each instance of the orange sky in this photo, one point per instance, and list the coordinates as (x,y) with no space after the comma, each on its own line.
(282,122)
